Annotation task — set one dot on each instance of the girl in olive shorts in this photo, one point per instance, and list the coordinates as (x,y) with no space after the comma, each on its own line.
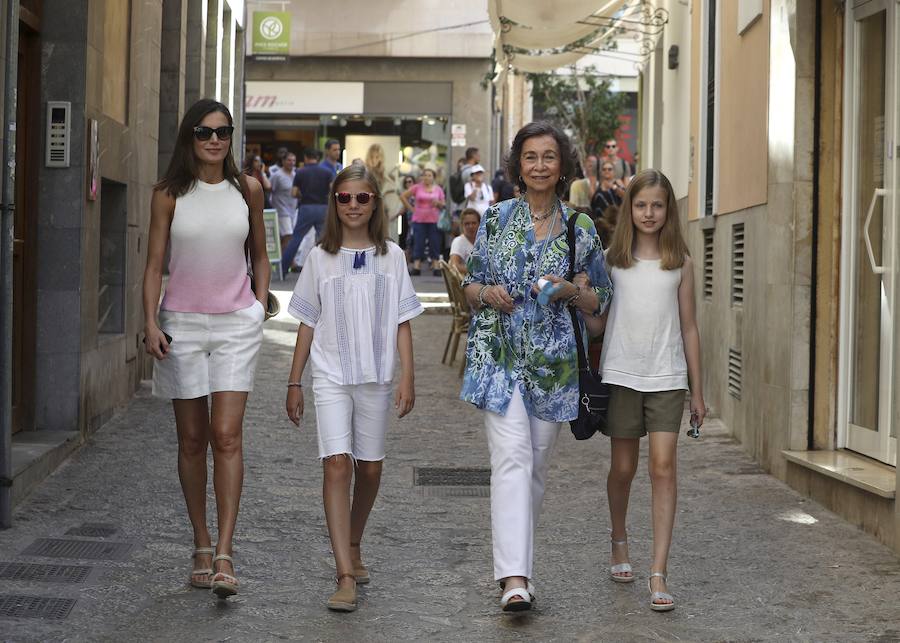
(651,355)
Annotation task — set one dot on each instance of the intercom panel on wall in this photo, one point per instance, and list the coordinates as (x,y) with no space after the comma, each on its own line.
(59,134)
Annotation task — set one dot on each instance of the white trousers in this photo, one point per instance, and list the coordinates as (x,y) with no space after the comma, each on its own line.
(520,448)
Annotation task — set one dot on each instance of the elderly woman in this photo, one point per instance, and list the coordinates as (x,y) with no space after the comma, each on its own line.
(521,355)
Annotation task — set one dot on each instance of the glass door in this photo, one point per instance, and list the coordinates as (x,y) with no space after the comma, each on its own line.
(869,260)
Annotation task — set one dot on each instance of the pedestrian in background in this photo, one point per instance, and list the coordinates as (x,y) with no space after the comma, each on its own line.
(406,216)
(429,199)
(610,190)
(283,199)
(279,159)
(207,337)
(354,300)
(311,185)
(332,157)
(621,168)
(521,358)
(582,191)
(463,245)
(651,355)
(479,194)
(253,166)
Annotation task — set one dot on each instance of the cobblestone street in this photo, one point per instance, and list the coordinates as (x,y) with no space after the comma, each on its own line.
(746,564)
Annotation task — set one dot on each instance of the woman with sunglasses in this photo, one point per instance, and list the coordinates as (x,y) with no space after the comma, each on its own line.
(207,335)
(610,190)
(354,300)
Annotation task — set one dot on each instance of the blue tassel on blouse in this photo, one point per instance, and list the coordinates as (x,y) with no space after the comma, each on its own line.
(359,259)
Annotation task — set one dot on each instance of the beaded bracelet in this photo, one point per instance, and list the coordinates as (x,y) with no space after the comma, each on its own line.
(297,384)
(481,296)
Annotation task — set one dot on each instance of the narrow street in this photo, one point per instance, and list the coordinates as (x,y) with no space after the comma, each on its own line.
(747,561)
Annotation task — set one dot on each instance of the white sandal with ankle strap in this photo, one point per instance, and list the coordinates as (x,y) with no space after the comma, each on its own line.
(621,568)
(206,571)
(509,605)
(224,585)
(659,596)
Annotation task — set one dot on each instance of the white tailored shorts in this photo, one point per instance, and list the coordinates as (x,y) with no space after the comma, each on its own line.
(351,418)
(209,352)
(285,225)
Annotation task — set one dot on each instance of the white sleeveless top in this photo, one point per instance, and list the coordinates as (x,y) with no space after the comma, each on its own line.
(207,265)
(643,348)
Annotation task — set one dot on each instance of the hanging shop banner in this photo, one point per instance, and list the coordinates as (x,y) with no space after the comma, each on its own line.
(271,32)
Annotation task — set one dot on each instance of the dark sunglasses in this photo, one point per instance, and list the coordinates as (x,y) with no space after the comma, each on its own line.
(204,133)
(361,197)
(613,145)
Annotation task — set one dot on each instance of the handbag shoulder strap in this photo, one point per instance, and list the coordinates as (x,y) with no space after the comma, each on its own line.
(576,325)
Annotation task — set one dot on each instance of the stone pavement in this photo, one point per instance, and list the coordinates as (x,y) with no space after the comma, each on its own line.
(751,561)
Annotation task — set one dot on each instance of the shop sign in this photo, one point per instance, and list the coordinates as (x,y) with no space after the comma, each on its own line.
(271,32)
(458,135)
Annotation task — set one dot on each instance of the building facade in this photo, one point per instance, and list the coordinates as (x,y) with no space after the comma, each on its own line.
(779,125)
(101,86)
(411,77)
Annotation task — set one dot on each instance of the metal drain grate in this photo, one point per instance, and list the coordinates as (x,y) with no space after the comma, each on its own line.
(451,476)
(45,573)
(35,606)
(480,491)
(93,530)
(79,549)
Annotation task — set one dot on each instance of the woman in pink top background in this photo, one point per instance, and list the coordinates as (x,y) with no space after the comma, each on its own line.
(208,331)
(429,199)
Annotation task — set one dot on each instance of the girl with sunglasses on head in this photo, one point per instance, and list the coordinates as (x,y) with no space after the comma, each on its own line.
(207,335)
(354,300)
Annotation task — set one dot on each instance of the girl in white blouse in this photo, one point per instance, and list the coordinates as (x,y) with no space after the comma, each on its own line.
(354,300)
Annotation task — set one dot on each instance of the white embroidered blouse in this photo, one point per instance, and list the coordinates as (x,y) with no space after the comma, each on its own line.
(355,300)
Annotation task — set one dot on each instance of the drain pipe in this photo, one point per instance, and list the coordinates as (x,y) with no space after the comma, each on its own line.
(7,208)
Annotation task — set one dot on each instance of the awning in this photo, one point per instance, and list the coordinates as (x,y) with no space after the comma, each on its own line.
(537,36)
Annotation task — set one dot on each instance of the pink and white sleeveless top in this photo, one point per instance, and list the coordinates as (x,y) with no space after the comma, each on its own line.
(207,265)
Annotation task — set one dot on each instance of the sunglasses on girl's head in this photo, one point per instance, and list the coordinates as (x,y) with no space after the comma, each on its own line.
(204,133)
(361,197)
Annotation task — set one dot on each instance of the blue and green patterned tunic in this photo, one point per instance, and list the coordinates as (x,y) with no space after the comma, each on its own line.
(534,346)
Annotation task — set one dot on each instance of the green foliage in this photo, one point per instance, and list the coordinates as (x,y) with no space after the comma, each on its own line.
(581,103)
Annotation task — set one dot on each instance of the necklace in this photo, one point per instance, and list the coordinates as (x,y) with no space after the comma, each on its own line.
(544,215)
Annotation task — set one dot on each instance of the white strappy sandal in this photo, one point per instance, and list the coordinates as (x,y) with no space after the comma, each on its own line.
(207,571)
(508,605)
(224,585)
(621,568)
(659,596)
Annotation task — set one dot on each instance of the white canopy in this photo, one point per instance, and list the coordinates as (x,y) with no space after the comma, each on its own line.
(534,26)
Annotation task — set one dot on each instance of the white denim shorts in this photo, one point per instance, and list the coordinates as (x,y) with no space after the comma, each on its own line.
(209,352)
(351,418)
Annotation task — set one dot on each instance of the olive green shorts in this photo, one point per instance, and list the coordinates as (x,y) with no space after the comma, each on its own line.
(632,414)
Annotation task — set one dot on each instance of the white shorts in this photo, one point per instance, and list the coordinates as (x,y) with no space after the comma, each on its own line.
(351,418)
(209,352)
(285,226)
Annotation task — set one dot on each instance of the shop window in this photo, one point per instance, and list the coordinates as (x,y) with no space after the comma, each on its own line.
(112,256)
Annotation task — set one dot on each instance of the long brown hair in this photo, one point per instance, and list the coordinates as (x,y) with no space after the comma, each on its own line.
(181,175)
(672,248)
(333,236)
